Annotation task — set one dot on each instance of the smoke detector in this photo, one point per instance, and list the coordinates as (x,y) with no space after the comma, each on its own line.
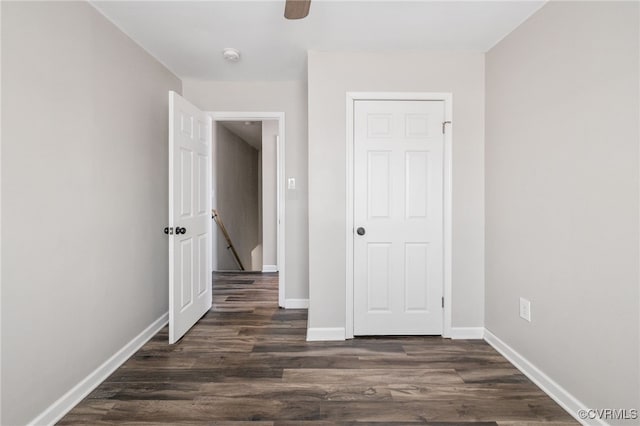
(231,54)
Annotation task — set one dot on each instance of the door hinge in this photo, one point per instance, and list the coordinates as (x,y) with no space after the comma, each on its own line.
(443,302)
(444,123)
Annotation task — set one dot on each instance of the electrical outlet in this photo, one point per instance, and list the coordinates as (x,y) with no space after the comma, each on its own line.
(525,309)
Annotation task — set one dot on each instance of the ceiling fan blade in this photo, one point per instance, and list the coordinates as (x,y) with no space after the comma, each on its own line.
(296,9)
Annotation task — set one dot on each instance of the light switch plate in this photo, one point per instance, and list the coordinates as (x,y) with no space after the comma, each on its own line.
(525,309)
(291,183)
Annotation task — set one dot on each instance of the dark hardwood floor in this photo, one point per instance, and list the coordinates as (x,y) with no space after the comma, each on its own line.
(248,361)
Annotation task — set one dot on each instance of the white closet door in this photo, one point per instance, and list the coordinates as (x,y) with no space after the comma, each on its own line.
(398,217)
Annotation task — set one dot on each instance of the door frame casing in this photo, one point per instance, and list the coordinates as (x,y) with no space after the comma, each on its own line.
(447,98)
(280,177)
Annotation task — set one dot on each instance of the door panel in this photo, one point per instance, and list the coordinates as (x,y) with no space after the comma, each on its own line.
(186,192)
(186,275)
(398,200)
(379,186)
(416,276)
(378,274)
(416,184)
(190,289)
(203,166)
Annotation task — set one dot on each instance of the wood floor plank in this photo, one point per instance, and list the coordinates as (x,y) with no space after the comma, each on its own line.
(372,376)
(248,362)
(505,373)
(88,412)
(295,392)
(222,408)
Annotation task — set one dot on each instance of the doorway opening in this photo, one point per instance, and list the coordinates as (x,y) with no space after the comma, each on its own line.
(246,196)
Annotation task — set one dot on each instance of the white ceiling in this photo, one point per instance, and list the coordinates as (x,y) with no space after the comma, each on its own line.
(188,36)
(250,133)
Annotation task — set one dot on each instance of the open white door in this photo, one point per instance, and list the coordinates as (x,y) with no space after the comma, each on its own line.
(189,228)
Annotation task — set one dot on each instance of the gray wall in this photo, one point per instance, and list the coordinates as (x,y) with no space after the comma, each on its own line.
(562,197)
(331,75)
(84,198)
(289,97)
(269,193)
(236,170)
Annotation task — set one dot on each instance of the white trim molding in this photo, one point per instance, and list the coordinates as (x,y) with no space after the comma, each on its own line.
(447,98)
(281,200)
(296,303)
(559,394)
(466,333)
(269,268)
(70,399)
(325,334)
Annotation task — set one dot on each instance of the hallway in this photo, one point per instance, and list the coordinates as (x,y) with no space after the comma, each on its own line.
(247,360)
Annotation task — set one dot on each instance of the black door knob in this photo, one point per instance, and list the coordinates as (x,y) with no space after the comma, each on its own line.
(181,230)
(360,231)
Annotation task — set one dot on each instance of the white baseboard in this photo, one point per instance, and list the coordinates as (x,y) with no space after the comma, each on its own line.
(70,399)
(467,333)
(269,268)
(296,303)
(325,334)
(560,395)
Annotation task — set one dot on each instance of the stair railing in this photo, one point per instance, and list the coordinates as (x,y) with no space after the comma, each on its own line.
(216,216)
